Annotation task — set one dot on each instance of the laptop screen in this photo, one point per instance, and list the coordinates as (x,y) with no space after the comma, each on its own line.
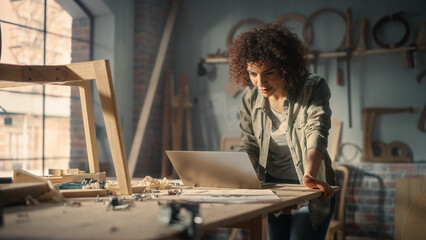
(214,169)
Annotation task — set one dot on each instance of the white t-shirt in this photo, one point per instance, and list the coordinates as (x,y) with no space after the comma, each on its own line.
(280,164)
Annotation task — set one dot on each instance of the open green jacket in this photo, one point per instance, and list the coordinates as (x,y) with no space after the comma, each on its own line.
(308,116)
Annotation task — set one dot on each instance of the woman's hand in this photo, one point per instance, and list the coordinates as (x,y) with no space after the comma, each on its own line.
(326,191)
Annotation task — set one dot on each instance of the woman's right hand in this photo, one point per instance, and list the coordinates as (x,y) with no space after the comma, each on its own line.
(327,191)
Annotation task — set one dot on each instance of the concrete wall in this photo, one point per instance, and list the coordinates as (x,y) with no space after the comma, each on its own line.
(376,80)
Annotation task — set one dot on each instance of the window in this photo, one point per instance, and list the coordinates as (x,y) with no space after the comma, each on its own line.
(35,120)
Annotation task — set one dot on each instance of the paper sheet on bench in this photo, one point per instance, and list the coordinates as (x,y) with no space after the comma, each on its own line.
(229,195)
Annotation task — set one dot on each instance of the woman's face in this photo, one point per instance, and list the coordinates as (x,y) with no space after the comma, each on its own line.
(267,78)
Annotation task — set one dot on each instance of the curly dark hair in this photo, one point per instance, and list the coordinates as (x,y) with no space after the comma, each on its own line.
(268,42)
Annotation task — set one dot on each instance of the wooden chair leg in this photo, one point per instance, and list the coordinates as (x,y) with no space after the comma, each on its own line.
(340,235)
(328,236)
(89,125)
(112,124)
(233,234)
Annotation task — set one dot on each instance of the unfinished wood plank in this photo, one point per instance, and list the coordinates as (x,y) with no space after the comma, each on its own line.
(54,179)
(362,30)
(349,30)
(406,192)
(22,176)
(55,172)
(153,82)
(71,171)
(167,94)
(135,189)
(16,193)
(89,125)
(60,172)
(112,123)
(75,193)
(82,177)
(334,138)
(416,217)
(177,140)
(189,142)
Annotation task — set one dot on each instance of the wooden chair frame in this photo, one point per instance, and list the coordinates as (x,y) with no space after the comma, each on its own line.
(80,74)
(337,224)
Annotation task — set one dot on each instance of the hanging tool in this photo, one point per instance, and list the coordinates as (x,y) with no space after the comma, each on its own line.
(422,119)
(420,76)
(361,43)
(385,149)
(339,77)
(397,17)
(348,87)
(314,60)
(349,47)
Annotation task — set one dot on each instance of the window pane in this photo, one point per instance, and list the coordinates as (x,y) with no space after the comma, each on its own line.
(29,13)
(20,133)
(21,45)
(58,20)
(57,133)
(58,51)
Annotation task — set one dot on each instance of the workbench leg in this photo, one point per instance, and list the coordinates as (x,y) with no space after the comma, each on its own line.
(259,227)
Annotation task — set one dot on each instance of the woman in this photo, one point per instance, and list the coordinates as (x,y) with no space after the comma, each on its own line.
(285,118)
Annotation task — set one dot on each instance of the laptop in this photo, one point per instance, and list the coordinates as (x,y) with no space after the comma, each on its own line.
(215,169)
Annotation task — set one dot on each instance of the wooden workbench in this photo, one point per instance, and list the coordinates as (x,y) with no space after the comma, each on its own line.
(91,220)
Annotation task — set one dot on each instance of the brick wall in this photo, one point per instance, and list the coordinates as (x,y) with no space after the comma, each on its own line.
(80,53)
(150,19)
(370,198)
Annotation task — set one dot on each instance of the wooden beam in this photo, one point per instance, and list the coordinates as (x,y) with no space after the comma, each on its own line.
(167,95)
(22,176)
(17,193)
(153,82)
(76,193)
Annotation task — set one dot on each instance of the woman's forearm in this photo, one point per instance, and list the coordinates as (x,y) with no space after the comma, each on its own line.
(313,163)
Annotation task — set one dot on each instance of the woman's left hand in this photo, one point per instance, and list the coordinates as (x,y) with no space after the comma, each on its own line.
(326,191)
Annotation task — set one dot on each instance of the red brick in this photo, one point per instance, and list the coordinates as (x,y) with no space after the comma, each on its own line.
(401,167)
